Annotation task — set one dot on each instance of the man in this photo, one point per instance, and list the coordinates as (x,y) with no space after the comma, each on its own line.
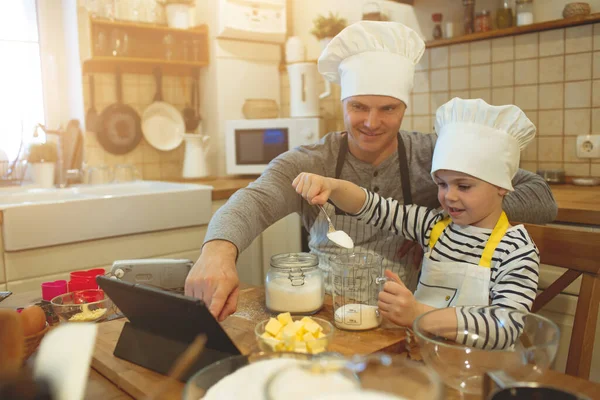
(374,63)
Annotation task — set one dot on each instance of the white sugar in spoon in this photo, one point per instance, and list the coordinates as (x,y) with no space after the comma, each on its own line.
(340,238)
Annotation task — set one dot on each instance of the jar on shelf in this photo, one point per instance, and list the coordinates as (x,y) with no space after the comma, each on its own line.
(524,12)
(504,15)
(294,283)
(483,21)
(469,16)
(437,30)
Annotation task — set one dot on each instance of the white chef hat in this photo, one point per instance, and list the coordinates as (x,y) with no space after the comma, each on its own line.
(373,58)
(481,140)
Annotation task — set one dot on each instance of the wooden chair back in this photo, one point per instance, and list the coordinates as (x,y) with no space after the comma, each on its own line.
(579,253)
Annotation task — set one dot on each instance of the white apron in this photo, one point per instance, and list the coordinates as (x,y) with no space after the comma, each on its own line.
(450,283)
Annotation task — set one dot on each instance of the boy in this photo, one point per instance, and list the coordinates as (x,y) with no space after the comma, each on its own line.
(473,256)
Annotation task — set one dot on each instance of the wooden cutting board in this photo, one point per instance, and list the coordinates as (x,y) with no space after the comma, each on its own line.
(139,382)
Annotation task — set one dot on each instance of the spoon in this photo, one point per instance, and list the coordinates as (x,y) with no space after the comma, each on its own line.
(340,238)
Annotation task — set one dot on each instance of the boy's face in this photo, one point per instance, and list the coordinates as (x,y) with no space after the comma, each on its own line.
(468,200)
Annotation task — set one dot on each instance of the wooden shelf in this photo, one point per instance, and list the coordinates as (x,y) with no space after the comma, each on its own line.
(129,65)
(152,27)
(517,30)
(146,48)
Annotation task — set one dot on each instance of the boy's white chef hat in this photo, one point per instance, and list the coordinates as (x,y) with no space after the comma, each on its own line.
(481,140)
(373,58)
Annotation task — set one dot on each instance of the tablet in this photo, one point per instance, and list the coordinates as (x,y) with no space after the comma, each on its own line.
(161,326)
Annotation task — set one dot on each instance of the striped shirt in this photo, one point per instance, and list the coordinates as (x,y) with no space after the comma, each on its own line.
(514,269)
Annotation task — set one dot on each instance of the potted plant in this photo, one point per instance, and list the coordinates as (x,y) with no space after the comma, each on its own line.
(326,28)
(43,157)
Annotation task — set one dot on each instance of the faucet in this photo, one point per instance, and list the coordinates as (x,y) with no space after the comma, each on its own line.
(65,175)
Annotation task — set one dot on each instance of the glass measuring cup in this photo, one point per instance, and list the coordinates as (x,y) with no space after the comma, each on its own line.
(356,281)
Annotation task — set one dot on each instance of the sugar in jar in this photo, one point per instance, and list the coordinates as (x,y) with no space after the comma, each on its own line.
(294,283)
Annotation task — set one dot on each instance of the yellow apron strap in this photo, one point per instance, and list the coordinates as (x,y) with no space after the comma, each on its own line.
(437,230)
(495,238)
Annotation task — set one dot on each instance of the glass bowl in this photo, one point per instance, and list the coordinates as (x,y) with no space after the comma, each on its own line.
(269,344)
(82,306)
(377,376)
(197,386)
(528,353)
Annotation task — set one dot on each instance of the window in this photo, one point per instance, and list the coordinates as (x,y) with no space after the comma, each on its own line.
(21,93)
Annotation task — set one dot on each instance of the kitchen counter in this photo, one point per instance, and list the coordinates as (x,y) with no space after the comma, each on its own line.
(576,204)
(224,187)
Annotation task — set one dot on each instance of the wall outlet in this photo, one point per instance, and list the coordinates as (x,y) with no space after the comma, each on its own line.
(588,146)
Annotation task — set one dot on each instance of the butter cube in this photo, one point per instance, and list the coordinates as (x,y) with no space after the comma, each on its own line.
(279,336)
(308,337)
(306,320)
(300,347)
(285,318)
(300,326)
(290,331)
(273,326)
(313,327)
(320,335)
(280,346)
(315,346)
(270,341)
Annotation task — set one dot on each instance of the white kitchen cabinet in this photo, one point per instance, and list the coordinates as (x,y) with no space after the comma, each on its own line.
(26,270)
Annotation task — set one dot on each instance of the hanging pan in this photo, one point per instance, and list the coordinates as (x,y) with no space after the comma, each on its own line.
(119,129)
(162,123)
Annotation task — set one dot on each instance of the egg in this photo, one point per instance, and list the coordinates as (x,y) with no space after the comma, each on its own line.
(33,320)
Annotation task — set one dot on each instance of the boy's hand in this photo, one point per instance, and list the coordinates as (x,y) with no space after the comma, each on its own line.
(397,303)
(316,189)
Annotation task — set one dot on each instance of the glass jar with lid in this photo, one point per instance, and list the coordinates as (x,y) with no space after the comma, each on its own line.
(294,284)
(483,21)
(524,12)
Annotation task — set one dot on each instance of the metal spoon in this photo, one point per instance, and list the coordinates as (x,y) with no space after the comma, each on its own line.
(340,238)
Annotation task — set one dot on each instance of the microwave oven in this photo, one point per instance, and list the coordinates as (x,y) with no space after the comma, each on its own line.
(250,144)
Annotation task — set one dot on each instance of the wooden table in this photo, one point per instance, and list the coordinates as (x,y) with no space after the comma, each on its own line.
(138,381)
(111,378)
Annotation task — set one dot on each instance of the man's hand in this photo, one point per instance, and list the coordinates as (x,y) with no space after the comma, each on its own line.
(214,278)
(397,303)
(316,189)
(417,257)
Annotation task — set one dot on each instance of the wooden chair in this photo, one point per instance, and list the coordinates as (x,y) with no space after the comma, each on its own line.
(579,253)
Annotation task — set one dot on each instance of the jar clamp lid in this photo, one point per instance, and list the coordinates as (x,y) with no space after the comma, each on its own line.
(296,264)
(294,260)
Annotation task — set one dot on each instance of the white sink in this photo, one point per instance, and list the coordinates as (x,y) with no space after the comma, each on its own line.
(35,218)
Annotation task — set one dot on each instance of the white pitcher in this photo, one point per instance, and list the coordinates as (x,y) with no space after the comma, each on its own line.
(194,161)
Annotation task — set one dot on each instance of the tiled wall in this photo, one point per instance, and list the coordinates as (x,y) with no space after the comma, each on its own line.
(138,92)
(554,76)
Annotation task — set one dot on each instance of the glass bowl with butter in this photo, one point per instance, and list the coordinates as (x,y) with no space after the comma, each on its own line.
(82,306)
(298,334)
